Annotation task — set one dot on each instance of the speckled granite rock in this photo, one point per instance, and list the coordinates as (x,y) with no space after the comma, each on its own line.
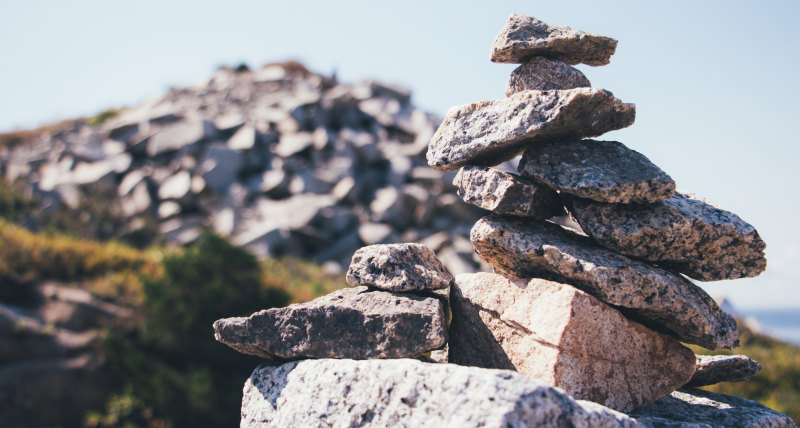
(525,37)
(655,297)
(348,323)
(490,132)
(505,193)
(566,338)
(409,393)
(711,369)
(604,171)
(398,267)
(685,233)
(696,408)
(543,74)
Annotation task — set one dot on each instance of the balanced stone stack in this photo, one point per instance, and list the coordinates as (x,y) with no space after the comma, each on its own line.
(569,331)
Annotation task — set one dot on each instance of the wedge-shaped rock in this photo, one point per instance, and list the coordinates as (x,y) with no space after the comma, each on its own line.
(490,132)
(685,233)
(711,369)
(525,37)
(349,323)
(505,193)
(655,297)
(542,74)
(604,171)
(409,393)
(697,408)
(398,267)
(566,338)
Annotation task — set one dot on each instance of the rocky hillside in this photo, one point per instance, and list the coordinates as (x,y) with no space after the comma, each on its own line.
(281,160)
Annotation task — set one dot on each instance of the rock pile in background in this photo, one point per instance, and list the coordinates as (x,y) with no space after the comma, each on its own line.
(563,314)
(280,160)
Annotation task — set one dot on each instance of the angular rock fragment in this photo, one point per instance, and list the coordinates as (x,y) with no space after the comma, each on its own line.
(398,267)
(349,323)
(542,74)
(685,233)
(713,369)
(655,297)
(525,37)
(505,193)
(490,132)
(564,337)
(698,408)
(604,171)
(409,393)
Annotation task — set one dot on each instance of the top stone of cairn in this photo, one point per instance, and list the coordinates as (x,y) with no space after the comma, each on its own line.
(525,37)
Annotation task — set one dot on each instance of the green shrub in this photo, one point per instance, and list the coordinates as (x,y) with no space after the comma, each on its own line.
(103,116)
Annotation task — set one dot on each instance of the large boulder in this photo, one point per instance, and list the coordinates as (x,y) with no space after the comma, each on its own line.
(564,337)
(653,296)
(409,393)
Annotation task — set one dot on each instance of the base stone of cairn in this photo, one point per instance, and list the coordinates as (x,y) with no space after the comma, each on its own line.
(539,328)
(410,346)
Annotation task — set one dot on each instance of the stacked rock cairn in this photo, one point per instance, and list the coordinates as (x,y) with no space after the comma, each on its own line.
(570,330)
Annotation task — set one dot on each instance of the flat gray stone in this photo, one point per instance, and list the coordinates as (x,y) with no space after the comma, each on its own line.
(349,323)
(564,337)
(697,408)
(398,267)
(543,74)
(488,133)
(685,233)
(505,193)
(525,37)
(653,296)
(409,393)
(604,171)
(175,136)
(713,369)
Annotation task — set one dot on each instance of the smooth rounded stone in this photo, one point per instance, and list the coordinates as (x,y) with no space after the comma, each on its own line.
(563,337)
(604,171)
(525,37)
(685,233)
(713,369)
(398,267)
(410,393)
(352,322)
(488,133)
(543,74)
(506,193)
(660,299)
(175,186)
(698,408)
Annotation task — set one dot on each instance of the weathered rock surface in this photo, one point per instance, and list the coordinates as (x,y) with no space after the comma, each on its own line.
(543,74)
(398,267)
(542,329)
(409,393)
(655,297)
(713,369)
(490,132)
(685,233)
(604,171)
(698,408)
(348,323)
(525,37)
(506,193)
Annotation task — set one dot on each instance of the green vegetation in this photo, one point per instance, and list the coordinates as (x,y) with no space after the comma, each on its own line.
(103,116)
(778,384)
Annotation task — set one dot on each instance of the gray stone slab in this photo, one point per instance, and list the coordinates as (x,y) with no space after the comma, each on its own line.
(685,233)
(713,369)
(653,296)
(488,133)
(525,37)
(604,171)
(506,193)
(542,74)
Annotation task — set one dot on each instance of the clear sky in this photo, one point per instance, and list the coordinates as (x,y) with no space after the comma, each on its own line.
(715,82)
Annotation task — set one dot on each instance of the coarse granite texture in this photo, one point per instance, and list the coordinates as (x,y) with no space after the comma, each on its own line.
(506,193)
(488,133)
(398,267)
(543,74)
(713,369)
(604,171)
(653,296)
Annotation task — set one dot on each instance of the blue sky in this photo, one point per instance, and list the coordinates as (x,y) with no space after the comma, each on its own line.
(714,82)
